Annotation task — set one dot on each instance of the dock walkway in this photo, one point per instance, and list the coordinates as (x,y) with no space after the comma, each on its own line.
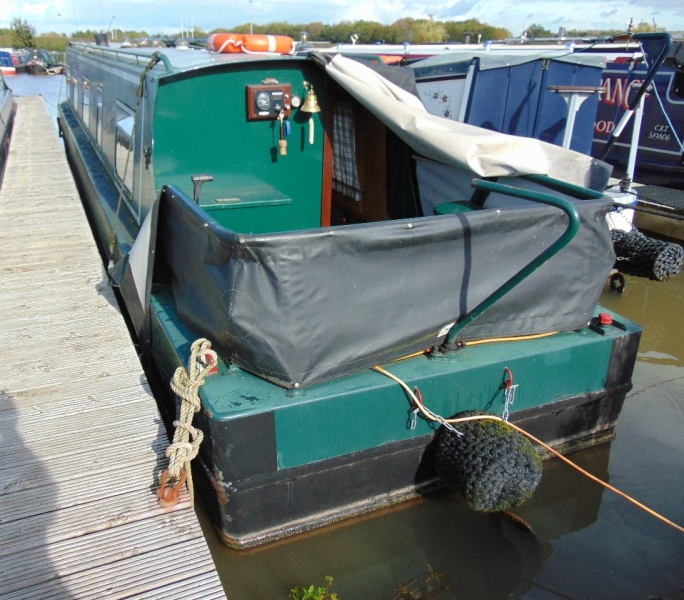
(82,441)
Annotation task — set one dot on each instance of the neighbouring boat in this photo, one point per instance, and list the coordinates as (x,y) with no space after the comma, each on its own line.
(311,219)
(7,62)
(564,97)
(626,65)
(6,122)
(42,62)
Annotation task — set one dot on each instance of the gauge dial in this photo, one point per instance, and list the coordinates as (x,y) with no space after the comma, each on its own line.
(263,101)
(296,101)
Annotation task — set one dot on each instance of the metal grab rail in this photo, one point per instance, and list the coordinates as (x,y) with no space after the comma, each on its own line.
(125,52)
(574,223)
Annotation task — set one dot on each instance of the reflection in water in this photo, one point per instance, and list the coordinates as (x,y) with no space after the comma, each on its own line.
(657,307)
(480,555)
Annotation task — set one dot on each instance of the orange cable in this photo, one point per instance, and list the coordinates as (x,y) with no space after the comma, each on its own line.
(534,439)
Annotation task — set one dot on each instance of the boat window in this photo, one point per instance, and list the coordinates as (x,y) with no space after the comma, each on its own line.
(124,144)
(98,115)
(85,100)
(73,84)
(70,86)
(345,173)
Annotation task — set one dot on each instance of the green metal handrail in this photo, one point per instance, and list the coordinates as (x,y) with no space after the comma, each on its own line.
(574,222)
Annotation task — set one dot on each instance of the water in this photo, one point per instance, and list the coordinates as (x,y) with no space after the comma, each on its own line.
(51,87)
(588,543)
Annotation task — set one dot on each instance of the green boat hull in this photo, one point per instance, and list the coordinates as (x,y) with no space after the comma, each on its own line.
(276,462)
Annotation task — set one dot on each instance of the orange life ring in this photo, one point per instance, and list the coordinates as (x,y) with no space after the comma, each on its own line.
(239,42)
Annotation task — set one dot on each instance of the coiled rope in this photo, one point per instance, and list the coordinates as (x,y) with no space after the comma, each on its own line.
(431,417)
(185,384)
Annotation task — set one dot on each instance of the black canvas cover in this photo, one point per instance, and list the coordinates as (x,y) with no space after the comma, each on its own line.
(305,306)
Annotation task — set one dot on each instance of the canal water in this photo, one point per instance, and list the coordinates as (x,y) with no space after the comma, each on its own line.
(588,543)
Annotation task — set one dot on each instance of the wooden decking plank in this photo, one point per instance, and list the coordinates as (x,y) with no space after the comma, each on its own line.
(79,464)
(54,496)
(74,522)
(82,440)
(126,578)
(105,403)
(38,397)
(28,568)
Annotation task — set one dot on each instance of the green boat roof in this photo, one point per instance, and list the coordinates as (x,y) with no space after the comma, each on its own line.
(175,60)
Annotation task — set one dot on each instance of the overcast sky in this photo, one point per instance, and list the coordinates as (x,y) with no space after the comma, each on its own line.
(166,15)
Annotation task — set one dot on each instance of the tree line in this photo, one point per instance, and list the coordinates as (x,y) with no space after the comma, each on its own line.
(414,31)
(21,34)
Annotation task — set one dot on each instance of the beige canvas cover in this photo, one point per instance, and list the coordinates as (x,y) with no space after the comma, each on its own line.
(475,150)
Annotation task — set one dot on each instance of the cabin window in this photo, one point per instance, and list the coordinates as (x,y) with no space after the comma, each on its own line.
(345,173)
(85,101)
(98,115)
(70,86)
(74,90)
(124,144)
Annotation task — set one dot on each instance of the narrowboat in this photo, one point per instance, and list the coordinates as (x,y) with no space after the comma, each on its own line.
(313,221)
(6,121)
(626,64)
(8,63)
(42,62)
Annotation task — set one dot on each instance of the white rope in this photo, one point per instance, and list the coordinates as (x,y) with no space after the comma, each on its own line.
(186,438)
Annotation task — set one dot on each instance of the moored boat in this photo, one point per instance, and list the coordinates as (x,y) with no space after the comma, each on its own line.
(627,62)
(7,62)
(42,62)
(6,122)
(314,221)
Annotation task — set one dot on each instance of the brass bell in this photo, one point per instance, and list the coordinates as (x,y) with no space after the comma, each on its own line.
(311,101)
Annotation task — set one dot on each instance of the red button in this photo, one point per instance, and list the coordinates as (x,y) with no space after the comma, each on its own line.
(605,319)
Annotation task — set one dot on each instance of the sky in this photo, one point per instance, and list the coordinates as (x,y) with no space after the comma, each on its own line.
(167,16)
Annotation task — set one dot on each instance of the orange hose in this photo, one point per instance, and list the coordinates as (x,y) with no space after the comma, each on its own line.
(428,416)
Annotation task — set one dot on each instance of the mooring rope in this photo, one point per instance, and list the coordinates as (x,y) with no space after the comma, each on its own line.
(182,450)
(429,415)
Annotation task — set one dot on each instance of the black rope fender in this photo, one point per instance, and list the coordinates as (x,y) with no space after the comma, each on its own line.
(491,464)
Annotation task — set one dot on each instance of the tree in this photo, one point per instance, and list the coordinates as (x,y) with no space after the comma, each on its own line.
(646,27)
(538,31)
(456,30)
(22,33)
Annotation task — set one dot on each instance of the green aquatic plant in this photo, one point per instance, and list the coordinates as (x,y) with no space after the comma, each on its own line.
(314,593)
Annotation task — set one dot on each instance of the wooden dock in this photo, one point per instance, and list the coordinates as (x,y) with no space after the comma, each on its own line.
(82,441)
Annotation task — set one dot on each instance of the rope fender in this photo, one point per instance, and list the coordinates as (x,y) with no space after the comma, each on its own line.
(186,438)
(642,256)
(491,464)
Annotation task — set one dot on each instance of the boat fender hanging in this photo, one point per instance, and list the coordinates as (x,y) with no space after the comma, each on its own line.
(642,256)
(250,43)
(491,464)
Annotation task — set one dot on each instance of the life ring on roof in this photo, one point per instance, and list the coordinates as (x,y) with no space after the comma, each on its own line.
(250,44)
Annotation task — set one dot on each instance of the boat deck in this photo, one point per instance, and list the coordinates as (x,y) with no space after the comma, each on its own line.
(82,439)
(662,196)
(661,211)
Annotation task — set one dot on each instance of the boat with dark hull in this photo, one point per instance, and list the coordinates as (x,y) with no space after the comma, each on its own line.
(7,109)
(42,62)
(312,220)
